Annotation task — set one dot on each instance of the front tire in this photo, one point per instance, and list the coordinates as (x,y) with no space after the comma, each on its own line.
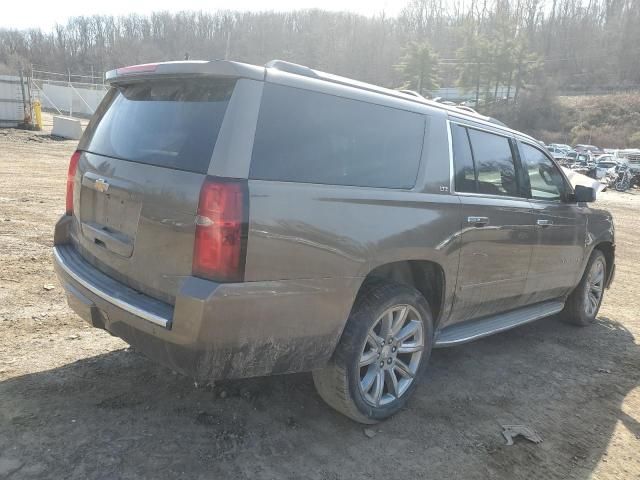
(583,304)
(383,351)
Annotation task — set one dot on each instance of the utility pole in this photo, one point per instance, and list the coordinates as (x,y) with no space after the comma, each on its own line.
(70,94)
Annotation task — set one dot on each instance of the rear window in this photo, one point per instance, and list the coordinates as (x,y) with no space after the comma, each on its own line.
(170,123)
(310,137)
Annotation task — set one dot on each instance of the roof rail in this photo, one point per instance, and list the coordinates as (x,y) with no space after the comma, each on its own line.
(303,70)
(413,93)
(290,67)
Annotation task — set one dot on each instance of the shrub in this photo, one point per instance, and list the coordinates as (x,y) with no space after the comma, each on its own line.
(634,140)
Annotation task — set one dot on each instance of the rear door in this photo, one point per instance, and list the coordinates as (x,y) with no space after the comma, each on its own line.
(560,227)
(498,233)
(145,156)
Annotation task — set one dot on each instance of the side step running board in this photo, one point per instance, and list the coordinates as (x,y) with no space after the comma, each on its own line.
(474,329)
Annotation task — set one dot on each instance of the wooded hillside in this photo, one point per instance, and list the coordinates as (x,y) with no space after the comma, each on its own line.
(579,44)
(494,49)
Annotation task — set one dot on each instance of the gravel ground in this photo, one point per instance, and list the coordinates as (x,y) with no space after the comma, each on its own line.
(76,403)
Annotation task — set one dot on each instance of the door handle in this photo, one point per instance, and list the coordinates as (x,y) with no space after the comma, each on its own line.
(544,223)
(478,221)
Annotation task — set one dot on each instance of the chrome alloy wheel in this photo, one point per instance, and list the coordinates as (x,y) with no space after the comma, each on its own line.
(594,288)
(391,355)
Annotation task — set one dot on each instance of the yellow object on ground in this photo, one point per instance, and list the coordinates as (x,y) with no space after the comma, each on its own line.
(37,111)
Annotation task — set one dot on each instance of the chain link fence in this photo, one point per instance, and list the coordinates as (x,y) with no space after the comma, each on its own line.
(69,94)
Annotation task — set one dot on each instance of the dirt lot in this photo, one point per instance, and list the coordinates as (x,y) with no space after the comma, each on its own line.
(76,403)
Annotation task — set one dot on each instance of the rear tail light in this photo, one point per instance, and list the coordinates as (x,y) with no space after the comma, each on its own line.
(221,230)
(71,175)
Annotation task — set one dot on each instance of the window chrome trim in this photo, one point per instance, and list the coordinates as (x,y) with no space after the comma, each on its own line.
(486,195)
(452,174)
(482,129)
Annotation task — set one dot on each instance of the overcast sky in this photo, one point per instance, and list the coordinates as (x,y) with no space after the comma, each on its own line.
(46,13)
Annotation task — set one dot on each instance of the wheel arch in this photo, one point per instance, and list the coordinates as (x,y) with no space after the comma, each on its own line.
(426,276)
(608,250)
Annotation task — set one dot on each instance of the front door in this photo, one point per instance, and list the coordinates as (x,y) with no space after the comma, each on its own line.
(556,263)
(498,232)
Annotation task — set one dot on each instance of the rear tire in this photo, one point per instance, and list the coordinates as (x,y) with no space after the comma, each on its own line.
(383,352)
(583,304)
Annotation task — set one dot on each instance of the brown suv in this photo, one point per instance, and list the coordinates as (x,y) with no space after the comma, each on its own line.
(230,220)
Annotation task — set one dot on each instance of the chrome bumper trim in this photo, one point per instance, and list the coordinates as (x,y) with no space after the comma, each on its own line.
(128,307)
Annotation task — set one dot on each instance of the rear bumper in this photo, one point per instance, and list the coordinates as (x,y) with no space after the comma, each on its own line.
(70,265)
(215,330)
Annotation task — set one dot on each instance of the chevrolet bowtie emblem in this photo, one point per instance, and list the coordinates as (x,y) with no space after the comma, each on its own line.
(101,185)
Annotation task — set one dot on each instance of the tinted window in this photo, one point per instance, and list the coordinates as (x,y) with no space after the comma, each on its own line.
(465,178)
(494,163)
(310,137)
(546,180)
(170,123)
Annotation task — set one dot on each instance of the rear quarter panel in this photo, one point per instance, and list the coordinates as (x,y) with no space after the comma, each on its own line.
(319,231)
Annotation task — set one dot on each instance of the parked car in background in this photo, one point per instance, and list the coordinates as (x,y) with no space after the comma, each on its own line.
(557,153)
(607,157)
(632,156)
(581,148)
(560,148)
(605,166)
(232,220)
(572,156)
(583,162)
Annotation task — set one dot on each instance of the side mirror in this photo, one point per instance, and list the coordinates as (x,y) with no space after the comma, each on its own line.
(584,194)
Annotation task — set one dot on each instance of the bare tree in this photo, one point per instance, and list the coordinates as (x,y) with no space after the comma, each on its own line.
(485,43)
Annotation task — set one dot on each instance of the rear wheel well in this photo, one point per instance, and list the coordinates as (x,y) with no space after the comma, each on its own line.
(425,276)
